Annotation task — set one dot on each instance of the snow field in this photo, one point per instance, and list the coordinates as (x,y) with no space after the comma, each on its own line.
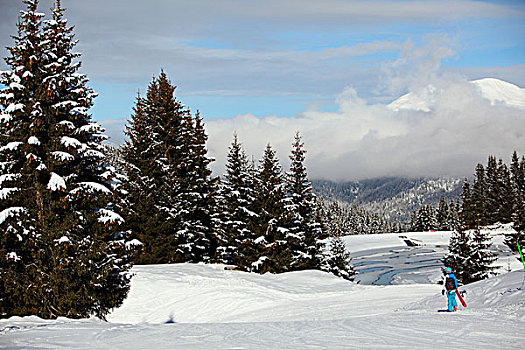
(196,306)
(208,293)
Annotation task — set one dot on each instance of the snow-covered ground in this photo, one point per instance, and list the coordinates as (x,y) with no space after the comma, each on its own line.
(188,306)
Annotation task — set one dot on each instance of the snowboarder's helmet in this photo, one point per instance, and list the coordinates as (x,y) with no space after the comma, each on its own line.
(448,270)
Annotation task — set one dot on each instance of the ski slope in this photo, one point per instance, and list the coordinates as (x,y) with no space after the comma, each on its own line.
(196,306)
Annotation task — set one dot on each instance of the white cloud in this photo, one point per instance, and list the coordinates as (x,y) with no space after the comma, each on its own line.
(366,141)
(362,140)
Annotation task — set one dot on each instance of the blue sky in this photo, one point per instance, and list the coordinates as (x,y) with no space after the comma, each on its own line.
(481,33)
(284,58)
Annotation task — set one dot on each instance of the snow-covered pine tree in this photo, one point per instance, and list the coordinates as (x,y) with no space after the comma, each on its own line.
(492,191)
(517,170)
(478,198)
(460,253)
(338,260)
(453,220)
(63,253)
(269,227)
(424,219)
(198,235)
(171,193)
(481,258)
(465,214)
(506,194)
(442,215)
(303,230)
(141,154)
(512,239)
(237,210)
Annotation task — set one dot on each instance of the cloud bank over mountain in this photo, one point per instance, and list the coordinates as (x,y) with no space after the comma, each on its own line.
(459,124)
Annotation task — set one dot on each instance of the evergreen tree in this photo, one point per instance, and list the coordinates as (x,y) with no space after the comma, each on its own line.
(303,229)
(270,226)
(424,219)
(469,255)
(513,238)
(453,220)
(517,170)
(478,198)
(146,175)
(460,252)
(62,252)
(238,197)
(492,198)
(171,192)
(338,260)
(197,196)
(481,258)
(506,194)
(442,215)
(466,215)
(517,175)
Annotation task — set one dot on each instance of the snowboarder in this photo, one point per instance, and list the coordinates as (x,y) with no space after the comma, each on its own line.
(450,284)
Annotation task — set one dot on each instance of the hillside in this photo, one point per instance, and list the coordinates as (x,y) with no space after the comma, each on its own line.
(394,198)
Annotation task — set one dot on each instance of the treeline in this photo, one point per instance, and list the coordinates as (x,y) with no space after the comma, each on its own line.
(497,194)
(341,218)
(443,218)
(256,217)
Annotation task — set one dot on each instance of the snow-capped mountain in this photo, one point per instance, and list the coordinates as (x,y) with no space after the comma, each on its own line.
(495,90)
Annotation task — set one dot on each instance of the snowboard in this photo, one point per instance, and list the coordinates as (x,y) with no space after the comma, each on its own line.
(461,299)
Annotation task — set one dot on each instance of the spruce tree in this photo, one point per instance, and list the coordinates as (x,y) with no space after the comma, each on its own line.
(506,194)
(270,227)
(238,197)
(171,193)
(142,154)
(338,260)
(513,238)
(442,215)
(303,229)
(453,219)
(517,170)
(198,195)
(459,257)
(424,219)
(481,258)
(65,253)
(466,215)
(492,198)
(478,197)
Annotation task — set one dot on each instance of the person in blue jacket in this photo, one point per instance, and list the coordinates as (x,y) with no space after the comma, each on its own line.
(450,284)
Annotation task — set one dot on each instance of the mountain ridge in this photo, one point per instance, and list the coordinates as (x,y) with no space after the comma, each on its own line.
(394,198)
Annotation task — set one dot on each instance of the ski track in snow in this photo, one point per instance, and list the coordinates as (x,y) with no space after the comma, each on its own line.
(195,306)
